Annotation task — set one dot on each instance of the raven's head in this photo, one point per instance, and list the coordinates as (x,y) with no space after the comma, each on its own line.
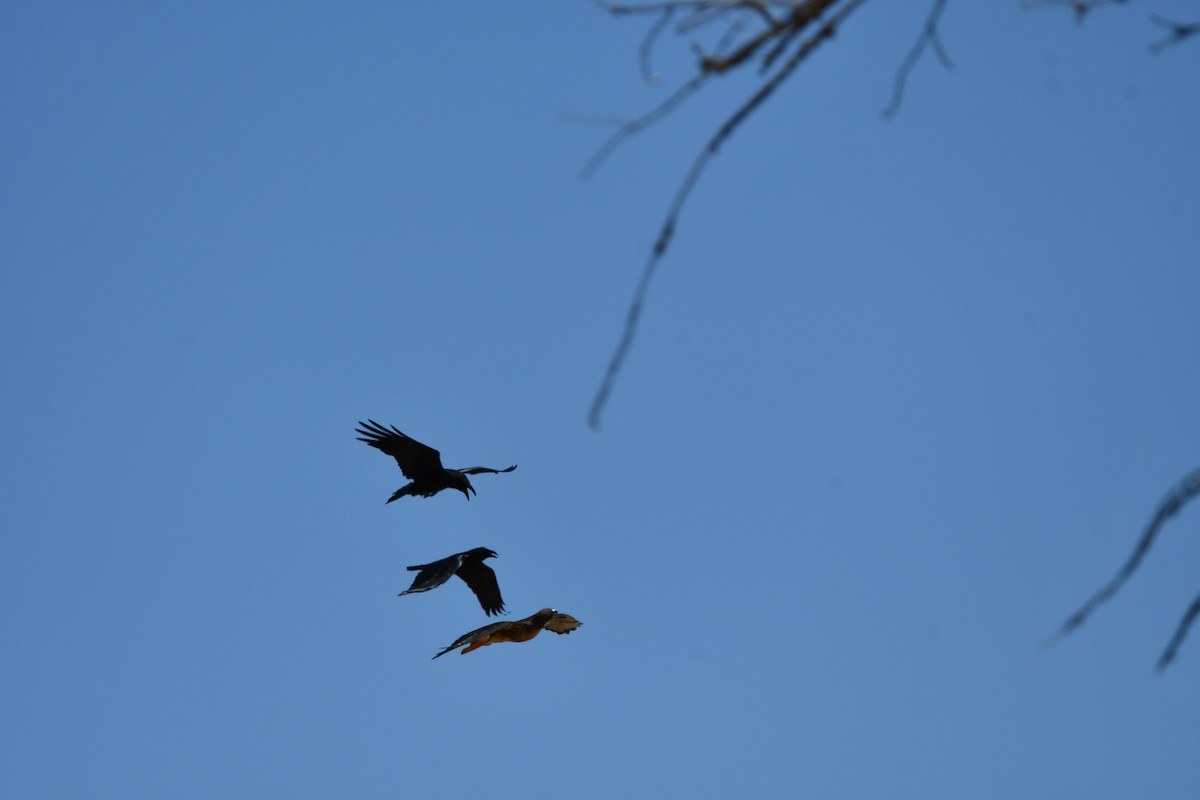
(456,479)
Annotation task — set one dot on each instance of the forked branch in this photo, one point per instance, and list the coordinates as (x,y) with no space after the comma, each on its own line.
(801,16)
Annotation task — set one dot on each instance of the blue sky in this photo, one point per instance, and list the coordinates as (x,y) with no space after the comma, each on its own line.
(904,395)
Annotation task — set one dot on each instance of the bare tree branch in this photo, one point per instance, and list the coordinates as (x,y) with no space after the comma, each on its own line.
(802,14)
(778,34)
(1188,488)
(1179,32)
(1080,7)
(667,232)
(782,43)
(633,126)
(1181,632)
(702,12)
(648,46)
(929,35)
(616,9)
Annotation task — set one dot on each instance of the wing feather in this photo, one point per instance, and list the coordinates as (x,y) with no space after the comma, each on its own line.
(416,460)
(482,580)
(478,470)
(433,574)
(478,633)
(562,623)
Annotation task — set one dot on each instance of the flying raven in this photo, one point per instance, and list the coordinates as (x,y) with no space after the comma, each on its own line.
(420,463)
(470,567)
(521,630)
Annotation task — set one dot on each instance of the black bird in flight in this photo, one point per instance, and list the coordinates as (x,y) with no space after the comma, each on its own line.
(420,463)
(470,567)
(521,630)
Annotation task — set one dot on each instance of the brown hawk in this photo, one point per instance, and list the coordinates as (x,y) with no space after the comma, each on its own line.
(521,630)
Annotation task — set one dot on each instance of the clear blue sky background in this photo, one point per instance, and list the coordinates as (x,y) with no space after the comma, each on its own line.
(905,394)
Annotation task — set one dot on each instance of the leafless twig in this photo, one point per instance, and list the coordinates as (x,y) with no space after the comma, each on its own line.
(1181,632)
(929,36)
(648,46)
(1179,32)
(802,15)
(1188,488)
(633,126)
(1080,7)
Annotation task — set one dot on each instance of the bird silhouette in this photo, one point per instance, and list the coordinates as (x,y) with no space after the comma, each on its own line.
(420,463)
(521,630)
(470,567)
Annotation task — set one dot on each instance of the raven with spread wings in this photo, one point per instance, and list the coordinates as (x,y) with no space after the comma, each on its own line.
(470,567)
(420,463)
(521,630)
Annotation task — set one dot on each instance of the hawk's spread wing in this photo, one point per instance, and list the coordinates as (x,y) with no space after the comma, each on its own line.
(478,633)
(562,623)
(482,580)
(416,460)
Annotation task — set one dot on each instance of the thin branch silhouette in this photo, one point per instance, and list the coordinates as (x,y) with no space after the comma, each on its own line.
(1179,32)
(1178,497)
(646,120)
(1080,7)
(1181,632)
(680,95)
(800,16)
(648,46)
(929,36)
(780,25)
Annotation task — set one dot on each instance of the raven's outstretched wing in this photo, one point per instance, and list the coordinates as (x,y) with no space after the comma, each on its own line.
(416,460)
(482,580)
(477,470)
(434,574)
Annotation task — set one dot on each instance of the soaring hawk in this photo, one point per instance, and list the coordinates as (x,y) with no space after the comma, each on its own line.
(521,630)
